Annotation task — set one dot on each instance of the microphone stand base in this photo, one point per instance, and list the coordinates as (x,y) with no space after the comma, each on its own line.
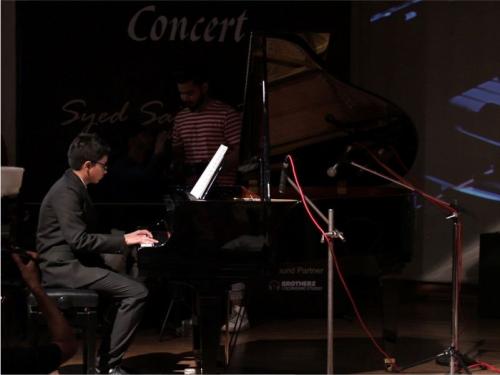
(462,361)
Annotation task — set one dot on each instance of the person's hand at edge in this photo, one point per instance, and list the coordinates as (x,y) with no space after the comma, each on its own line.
(61,332)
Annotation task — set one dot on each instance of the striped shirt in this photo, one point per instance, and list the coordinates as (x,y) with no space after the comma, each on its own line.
(201,133)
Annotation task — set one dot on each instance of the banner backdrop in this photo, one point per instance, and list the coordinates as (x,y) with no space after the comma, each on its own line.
(107,68)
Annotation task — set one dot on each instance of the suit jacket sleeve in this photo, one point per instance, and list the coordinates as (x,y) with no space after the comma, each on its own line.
(71,216)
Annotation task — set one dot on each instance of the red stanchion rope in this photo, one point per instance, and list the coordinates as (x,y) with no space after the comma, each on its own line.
(337,267)
(485,366)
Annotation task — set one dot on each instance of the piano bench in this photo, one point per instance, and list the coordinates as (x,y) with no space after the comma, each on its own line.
(80,309)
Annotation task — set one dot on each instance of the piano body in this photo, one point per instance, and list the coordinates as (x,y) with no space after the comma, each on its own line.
(293,105)
(215,243)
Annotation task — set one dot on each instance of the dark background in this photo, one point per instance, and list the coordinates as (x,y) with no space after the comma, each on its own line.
(81,51)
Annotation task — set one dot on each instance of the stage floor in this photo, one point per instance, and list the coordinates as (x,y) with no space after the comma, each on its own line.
(296,345)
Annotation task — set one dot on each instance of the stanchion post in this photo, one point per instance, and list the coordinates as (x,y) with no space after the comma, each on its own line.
(332,234)
(329,362)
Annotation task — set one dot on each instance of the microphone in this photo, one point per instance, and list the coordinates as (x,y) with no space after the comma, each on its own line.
(333,170)
(282,185)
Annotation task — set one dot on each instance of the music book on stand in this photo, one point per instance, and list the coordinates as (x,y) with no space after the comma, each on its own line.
(207,178)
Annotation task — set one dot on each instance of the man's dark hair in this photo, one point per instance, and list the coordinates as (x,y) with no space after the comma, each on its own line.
(195,74)
(86,147)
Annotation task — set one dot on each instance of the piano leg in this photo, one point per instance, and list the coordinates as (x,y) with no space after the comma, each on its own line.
(390,309)
(207,337)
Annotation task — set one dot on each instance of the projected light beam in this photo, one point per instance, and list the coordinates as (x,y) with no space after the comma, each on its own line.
(477,97)
(465,189)
(478,136)
(389,12)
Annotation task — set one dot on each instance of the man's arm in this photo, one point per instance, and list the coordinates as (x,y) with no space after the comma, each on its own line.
(232,134)
(61,333)
(70,217)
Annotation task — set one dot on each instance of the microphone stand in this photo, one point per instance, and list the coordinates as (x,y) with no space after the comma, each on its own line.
(332,233)
(456,359)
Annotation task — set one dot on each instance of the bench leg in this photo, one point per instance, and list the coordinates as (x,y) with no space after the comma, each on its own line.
(89,343)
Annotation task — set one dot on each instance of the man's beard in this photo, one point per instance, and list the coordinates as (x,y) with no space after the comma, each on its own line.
(196,106)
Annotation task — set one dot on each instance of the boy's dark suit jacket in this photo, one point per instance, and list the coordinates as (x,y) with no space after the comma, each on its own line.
(69,249)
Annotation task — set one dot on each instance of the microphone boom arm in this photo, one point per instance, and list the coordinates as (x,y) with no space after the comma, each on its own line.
(456,359)
(363,168)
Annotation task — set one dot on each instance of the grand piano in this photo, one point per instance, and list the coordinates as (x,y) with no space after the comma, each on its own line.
(293,105)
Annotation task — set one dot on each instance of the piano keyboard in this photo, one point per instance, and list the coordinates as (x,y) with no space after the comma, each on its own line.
(161,236)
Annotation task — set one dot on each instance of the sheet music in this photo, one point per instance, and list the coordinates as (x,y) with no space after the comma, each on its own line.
(209,174)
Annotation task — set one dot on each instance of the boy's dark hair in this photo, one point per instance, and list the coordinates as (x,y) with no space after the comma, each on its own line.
(86,147)
(195,74)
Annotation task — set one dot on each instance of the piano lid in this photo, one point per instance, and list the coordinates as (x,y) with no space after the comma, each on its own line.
(314,116)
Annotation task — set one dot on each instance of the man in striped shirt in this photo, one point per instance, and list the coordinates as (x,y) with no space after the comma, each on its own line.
(201,127)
